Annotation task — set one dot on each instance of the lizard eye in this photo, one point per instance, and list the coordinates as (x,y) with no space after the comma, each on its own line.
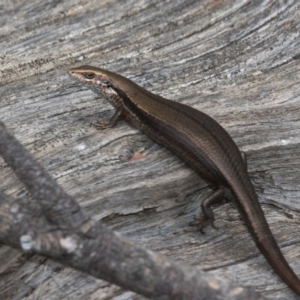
(89,75)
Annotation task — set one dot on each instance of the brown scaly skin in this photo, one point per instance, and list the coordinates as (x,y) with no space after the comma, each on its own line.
(201,142)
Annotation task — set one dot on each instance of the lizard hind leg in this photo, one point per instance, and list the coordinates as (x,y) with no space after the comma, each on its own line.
(207,216)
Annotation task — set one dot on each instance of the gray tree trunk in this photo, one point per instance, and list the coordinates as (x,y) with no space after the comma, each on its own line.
(237,61)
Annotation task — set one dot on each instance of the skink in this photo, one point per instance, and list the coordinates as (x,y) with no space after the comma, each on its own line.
(198,140)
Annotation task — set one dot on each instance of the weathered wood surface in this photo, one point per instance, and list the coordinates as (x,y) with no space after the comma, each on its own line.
(238,61)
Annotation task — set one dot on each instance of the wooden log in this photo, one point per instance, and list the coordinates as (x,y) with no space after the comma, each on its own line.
(237,61)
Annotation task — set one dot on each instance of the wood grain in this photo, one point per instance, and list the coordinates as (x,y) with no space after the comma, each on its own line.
(237,61)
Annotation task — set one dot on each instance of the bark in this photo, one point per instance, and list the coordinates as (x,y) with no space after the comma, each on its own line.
(237,61)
